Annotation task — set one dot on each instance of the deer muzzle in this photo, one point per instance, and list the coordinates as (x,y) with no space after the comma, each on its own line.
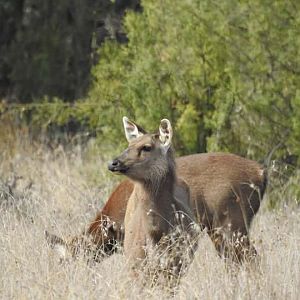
(117,166)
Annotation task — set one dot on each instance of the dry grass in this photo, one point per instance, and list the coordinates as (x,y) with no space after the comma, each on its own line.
(61,193)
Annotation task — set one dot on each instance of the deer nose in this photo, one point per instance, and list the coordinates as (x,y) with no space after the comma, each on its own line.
(114,165)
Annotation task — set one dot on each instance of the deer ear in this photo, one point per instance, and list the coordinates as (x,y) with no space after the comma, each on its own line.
(132,131)
(165,134)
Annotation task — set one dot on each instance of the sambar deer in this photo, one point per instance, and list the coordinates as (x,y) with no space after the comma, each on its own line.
(226,191)
(158,219)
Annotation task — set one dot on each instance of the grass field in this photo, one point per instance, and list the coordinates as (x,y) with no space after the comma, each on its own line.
(61,192)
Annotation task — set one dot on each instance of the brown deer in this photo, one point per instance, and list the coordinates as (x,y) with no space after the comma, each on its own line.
(158,216)
(226,191)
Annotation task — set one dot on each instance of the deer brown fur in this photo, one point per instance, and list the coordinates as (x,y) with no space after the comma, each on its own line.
(226,192)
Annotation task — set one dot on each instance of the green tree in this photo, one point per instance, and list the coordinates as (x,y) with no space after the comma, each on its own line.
(226,73)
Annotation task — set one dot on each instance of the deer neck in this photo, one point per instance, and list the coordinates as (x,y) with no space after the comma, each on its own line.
(159,190)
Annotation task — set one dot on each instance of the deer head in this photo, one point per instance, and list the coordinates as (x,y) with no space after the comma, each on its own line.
(147,154)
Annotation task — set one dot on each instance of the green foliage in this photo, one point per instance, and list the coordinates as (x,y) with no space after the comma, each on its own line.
(226,74)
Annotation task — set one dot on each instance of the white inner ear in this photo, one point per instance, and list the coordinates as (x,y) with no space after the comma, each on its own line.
(165,134)
(131,130)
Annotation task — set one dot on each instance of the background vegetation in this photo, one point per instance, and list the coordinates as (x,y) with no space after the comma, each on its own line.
(227,73)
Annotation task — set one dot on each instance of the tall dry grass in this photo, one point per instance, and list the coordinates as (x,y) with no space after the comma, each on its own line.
(61,192)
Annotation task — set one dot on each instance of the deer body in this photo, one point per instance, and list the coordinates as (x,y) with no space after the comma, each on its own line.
(158,198)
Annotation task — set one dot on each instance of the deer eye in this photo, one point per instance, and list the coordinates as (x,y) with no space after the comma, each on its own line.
(146,148)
